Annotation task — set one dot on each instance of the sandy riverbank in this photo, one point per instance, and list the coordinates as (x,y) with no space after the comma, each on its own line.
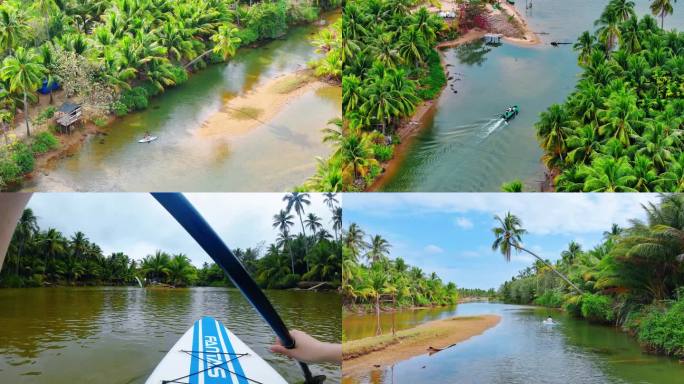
(370,353)
(243,113)
(410,128)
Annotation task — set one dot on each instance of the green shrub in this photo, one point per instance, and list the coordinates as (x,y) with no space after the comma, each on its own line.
(301,13)
(45,114)
(100,121)
(119,108)
(383,152)
(663,330)
(247,36)
(573,306)
(44,142)
(135,98)
(179,74)
(431,84)
(597,308)
(10,172)
(23,157)
(551,299)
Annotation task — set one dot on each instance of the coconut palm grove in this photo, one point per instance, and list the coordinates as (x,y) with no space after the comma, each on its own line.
(306,250)
(633,279)
(620,130)
(112,56)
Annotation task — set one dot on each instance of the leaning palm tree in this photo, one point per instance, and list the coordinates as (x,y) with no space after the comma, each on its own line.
(662,8)
(225,41)
(25,73)
(508,237)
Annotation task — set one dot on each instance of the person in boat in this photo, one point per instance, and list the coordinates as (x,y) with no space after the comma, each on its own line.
(147,135)
(548,320)
(309,350)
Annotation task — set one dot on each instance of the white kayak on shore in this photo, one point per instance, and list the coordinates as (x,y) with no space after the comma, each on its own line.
(208,353)
(147,139)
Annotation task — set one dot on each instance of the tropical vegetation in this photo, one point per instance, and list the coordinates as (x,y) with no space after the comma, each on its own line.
(633,279)
(371,280)
(390,66)
(309,251)
(620,130)
(112,56)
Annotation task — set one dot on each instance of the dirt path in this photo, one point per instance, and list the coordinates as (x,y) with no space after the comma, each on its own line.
(361,356)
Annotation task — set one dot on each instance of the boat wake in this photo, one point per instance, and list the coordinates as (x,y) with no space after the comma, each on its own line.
(491,126)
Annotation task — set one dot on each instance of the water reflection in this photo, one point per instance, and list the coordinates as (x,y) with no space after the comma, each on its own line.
(118,335)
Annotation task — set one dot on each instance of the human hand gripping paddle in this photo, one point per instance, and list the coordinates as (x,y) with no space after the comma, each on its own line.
(192,221)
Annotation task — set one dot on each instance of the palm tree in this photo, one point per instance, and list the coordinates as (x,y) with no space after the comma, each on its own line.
(53,244)
(607,174)
(298,200)
(584,45)
(45,6)
(24,73)
(513,186)
(337,221)
(313,222)
(553,129)
(156,266)
(378,249)
(13,27)
(283,221)
(26,229)
(330,199)
(569,255)
(225,43)
(661,8)
(508,237)
(180,271)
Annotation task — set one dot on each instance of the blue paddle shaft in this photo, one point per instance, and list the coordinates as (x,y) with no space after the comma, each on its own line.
(187,216)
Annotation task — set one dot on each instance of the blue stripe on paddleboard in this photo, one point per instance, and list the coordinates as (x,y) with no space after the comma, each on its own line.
(214,354)
(236,363)
(194,360)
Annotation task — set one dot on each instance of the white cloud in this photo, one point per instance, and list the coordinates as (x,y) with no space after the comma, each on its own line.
(541,213)
(433,249)
(464,223)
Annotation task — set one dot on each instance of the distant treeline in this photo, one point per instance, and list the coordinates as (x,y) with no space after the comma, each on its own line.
(38,257)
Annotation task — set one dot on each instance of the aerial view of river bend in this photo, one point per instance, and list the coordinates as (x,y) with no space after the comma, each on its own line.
(268,141)
(520,349)
(465,145)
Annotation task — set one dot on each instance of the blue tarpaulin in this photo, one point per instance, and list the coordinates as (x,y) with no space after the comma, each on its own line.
(45,89)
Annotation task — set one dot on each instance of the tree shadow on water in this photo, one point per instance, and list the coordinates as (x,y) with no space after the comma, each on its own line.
(474,53)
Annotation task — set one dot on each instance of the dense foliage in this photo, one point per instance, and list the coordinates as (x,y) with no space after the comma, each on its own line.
(389,67)
(620,130)
(634,278)
(113,55)
(39,257)
(381,281)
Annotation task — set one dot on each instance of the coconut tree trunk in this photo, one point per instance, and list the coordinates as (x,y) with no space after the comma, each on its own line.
(378,329)
(306,241)
(196,59)
(552,268)
(289,246)
(26,115)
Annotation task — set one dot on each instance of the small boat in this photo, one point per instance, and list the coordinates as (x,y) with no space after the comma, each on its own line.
(546,322)
(510,112)
(210,353)
(511,2)
(147,139)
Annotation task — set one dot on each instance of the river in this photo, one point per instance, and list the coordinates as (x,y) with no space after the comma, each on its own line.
(520,349)
(118,335)
(465,147)
(275,156)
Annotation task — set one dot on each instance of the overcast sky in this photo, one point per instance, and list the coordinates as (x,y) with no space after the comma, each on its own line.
(450,234)
(134,223)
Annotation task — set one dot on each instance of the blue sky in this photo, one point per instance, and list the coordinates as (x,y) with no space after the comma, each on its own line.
(134,223)
(450,234)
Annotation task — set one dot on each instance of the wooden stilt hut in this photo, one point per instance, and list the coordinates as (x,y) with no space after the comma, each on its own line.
(68,115)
